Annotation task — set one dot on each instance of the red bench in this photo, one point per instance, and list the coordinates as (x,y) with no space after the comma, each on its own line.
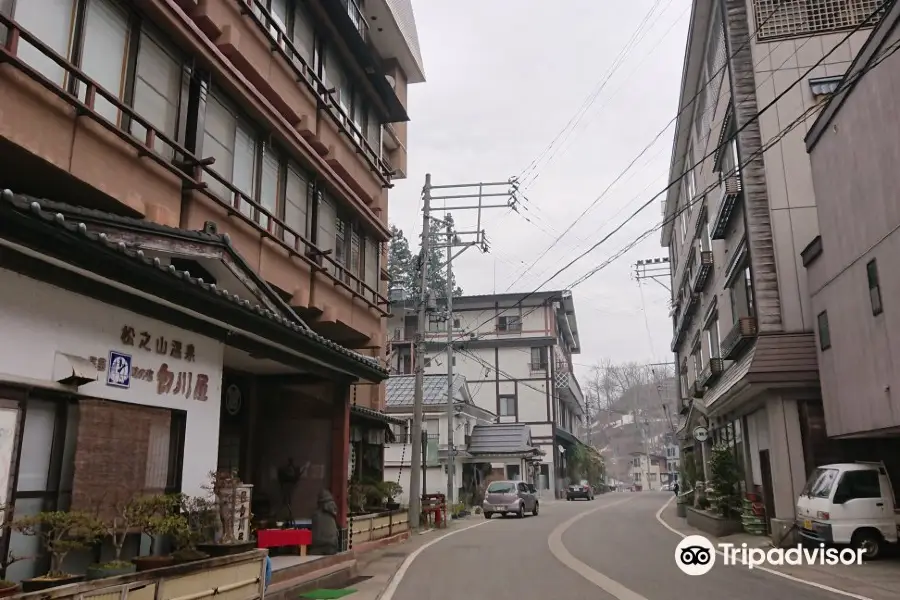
(282,538)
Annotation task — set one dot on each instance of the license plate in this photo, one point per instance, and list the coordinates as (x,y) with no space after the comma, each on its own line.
(501,507)
(807,524)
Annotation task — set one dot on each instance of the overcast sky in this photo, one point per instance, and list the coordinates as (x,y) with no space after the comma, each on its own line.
(504,78)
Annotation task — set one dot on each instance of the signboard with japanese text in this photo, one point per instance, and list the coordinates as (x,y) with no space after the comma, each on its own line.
(139,360)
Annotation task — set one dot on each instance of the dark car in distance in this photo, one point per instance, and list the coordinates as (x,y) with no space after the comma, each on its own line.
(580,490)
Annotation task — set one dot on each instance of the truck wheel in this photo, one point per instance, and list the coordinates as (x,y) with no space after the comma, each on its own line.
(488,515)
(869,542)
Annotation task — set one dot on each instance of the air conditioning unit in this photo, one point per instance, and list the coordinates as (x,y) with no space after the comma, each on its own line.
(397,295)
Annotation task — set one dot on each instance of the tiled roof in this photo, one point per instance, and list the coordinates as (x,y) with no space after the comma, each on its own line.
(401,389)
(377,415)
(28,205)
(500,438)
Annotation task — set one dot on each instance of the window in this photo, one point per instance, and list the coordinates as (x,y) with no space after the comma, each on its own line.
(824,332)
(697,360)
(113,47)
(456,324)
(502,487)
(741,293)
(705,244)
(326,221)
(296,204)
(509,323)
(539,359)
(651,476)
(512,472)
(637,476)
(712,335)
(427,362)
(231,140)
(874,287)
(859,484)
(508,406)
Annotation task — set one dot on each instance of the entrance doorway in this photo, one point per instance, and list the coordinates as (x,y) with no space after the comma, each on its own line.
(765,468)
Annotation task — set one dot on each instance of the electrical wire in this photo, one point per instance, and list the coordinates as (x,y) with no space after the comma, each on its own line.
(677,180)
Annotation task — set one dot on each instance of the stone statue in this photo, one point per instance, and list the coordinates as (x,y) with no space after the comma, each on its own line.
(325,526)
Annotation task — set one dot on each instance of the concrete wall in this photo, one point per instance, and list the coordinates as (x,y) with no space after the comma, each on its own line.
(856,182)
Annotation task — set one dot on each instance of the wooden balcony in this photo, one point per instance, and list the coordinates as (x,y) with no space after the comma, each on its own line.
(701,278)
(712,372)
(740,336)
(731,191)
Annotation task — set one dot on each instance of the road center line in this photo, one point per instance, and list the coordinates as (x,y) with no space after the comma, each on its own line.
(558,549)
(820,586)
(388,593)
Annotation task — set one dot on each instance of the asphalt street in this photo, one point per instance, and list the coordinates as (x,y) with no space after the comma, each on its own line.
(609,548)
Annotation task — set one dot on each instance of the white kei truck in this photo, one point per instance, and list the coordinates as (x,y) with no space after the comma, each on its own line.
(849,504)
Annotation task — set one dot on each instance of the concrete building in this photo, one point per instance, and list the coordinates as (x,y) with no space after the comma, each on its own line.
(238,157)
(516,355)
(648,472)
(850,265)
(736,221)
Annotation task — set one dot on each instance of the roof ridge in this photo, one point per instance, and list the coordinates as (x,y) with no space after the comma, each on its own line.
(25,204)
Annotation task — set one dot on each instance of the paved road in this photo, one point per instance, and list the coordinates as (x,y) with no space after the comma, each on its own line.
(621,546)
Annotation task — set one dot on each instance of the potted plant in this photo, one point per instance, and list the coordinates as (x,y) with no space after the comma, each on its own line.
(357,493)
(227,489)
(392,490)
(60,533)
(7,588)
(119,519)
(158,518)
(197,526)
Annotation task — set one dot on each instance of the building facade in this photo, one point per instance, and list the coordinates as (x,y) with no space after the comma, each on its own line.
(648,472)
(237,155)
(849,265)
(516,354)
(741,209)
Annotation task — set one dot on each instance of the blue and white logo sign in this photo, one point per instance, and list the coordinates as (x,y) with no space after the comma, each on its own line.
(119,374)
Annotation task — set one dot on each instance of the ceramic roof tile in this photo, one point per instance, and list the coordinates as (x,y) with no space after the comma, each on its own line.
(400,390)
(500,438)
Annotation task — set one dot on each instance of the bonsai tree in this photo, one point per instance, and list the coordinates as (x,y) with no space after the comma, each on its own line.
(356,496)
(724,482)
(391,490)
(223,485)
(158,516)
(10,558)
(60,533)
(198,520)
(124,517)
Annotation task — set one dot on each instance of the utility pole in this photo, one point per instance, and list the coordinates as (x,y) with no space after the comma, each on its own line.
(416,460)
(657,269)
(477,238)
(451,457)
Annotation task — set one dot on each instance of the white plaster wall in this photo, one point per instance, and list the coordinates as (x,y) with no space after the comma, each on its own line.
(38,320)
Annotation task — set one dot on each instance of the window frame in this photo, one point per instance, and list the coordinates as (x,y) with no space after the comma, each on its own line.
(874,283)
(515,404)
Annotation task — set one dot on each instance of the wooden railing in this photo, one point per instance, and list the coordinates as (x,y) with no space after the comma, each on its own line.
(189,168)
(743,331)
(306,74)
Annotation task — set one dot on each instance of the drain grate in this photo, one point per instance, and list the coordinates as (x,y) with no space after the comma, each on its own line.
(357,579)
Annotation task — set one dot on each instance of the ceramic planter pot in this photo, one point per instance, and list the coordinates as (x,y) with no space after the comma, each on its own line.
(9,590)
(45,583)
(187,556)
(148,563)
(104,571)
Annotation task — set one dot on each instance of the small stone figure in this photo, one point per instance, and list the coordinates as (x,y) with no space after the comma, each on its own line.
(325,526)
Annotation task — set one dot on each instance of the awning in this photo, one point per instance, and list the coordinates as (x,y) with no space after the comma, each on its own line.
(365,413)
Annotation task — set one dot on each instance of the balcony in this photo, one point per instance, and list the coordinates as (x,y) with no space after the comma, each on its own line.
(703,270)
(731,191)
(697,389)
(538,367)
(740,336)
(712,372)
(358,18)
(193,174)
(684,320)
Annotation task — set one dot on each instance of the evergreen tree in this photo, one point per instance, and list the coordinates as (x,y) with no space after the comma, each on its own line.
(437,267)
(400,262)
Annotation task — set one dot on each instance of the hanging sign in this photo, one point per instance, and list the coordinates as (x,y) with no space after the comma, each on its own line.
(701,433)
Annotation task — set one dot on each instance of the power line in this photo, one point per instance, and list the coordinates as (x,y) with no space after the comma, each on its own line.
(678,179)
(686,106)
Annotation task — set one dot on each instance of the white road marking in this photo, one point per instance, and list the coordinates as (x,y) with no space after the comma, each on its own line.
(820,586)
(389,591)
(558,549)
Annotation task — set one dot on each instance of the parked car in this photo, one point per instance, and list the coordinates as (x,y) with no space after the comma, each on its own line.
(580,490)
(505,497)
(849,503)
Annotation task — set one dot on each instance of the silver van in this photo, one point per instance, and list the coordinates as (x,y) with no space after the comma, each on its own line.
(505,497)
